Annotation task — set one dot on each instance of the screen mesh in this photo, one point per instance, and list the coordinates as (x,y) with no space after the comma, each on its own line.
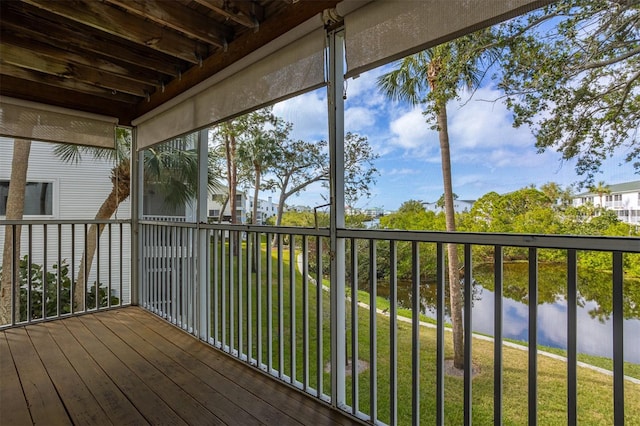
(32,121)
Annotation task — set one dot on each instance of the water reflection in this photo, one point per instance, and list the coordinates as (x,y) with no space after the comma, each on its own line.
(594,337)
(595,332)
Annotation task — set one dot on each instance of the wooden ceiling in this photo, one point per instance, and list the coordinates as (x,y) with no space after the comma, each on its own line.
(123,58)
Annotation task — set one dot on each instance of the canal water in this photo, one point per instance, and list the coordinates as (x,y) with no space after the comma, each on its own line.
(594,334)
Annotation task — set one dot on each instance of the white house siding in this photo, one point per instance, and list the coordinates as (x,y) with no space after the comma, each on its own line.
(79,190)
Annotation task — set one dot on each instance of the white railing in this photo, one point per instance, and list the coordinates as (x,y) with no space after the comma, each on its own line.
(263,296)
(48,276)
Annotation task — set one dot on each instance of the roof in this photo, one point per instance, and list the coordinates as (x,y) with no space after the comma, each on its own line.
(633,186)
(123,58)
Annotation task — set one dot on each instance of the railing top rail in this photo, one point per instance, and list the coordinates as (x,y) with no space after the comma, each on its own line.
(167,223)
(578,242)
(62,221)
(285,230)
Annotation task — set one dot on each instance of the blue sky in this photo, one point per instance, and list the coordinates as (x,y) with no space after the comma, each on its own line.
(487,153)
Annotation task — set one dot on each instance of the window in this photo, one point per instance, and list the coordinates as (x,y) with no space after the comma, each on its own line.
(38,198)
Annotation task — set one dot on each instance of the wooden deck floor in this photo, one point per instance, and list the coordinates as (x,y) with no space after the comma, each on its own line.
(126,366)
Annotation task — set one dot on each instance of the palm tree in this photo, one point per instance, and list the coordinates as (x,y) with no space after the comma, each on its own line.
(174,171)
(432,78)
(260,148)
(601,189)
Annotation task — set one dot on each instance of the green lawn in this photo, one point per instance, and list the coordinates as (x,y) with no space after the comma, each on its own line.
(595,400)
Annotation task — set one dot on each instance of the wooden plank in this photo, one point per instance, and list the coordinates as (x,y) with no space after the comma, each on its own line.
(180,18)
(116,405)
(102,17)
(78,400)
(227,400)
(190,410)
(31,39)
(302,407)
(243,15)
(44,402)
(52,95)
(150,405)
(34,60)
(15,410)
(64,35)
(66,83)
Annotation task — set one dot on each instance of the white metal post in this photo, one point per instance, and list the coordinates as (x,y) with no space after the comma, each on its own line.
(337,255)
(201,284)
(135,181)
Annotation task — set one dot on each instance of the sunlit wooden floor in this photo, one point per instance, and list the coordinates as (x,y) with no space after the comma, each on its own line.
(127,366)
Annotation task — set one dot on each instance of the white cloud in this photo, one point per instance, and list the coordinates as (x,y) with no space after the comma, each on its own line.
(400,172)
(358,119)
(410,131)
(308,113)
(363,90)
(484,122)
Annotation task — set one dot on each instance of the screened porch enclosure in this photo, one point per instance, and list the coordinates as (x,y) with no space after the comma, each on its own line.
(240,324)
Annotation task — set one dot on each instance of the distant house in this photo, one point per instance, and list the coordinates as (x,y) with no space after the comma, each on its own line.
(459,206)
(244,208)
(623,198)
(266,209)
(216,203)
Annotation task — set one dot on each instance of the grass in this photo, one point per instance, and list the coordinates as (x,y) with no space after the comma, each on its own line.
(595,402)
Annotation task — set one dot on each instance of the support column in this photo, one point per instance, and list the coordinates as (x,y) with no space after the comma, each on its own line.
(200,286)
(135,188)
(337,221)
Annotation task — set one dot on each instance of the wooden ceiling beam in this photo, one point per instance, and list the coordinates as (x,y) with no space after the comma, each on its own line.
(61,33)
(66,83)
(57,96)
(246,13)
(179,18)
(103,17)
(41,48)
(30,59)
(239,48)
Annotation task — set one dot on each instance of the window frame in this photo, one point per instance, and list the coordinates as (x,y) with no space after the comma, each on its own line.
(55,191)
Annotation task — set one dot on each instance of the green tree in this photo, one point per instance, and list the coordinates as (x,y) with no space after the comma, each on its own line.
(440,202)
(432,78)
(412,216)
(572,73)
(227,135)
(302,163)
(601,189)
(260,148)
(560,197)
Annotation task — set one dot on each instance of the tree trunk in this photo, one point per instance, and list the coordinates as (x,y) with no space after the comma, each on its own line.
(119,193)
(230,150)
(224,206)
(281,200)
(254,216)
(455,292)
(15,211)
(254,211)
